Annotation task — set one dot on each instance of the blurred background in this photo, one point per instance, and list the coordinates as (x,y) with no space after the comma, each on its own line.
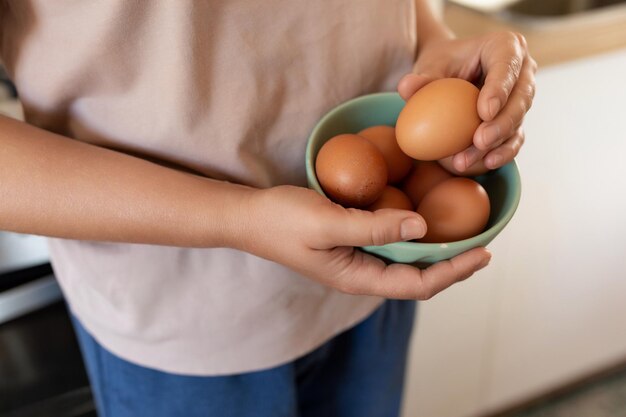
(541,332)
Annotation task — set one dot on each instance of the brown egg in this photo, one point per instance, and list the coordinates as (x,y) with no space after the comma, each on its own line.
(351,170)
(384,137)
(425,175)
(455,209)
(391,198)
(439,120)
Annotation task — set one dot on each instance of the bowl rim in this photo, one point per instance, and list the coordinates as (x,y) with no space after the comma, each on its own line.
(469,242)
(318,126)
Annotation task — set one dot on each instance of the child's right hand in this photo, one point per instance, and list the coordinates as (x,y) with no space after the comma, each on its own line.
(308,233)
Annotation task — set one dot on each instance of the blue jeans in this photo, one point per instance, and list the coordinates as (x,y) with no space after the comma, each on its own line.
(360,373)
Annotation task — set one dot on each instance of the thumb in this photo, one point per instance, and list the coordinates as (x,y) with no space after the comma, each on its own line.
(410,83)
(365,228)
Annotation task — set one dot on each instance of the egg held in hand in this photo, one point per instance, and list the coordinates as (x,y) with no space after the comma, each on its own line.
(351,170)
(384,138)
(455,209)
(439,120)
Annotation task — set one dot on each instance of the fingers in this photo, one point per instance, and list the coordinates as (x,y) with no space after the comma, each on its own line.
(467,158)
(443,274)
(509,119)
(410,83)
(503,152)
(506,152)
(364,274)
(353,227)
(502,60)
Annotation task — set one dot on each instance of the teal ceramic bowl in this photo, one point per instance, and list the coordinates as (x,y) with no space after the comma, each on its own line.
(503,185)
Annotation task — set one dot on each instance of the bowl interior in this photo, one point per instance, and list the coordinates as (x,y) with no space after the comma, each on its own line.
(502,185)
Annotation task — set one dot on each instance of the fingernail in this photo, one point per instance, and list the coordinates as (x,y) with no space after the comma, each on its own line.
(490,134)
(411,229)
(494,106)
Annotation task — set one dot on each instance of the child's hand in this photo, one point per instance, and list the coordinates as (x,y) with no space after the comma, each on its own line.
(502,61)
(308,233)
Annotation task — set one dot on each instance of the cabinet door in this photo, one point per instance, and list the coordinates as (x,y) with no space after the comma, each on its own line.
(450,348)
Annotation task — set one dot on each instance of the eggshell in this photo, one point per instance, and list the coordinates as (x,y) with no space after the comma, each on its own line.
(425,175)
(384,138)
(439,120)
(391,197)
(351,170)
(455,209)
(475,170)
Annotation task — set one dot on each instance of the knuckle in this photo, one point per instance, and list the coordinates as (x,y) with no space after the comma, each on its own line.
(515,65)
(508,73)
(511,149)
(528,95)
(463,275)
(521,39)
(516,146)
(510,67)
(510,124)
(426,294)
(525,104)
(426,290)
(512,152)
(506,35)
(531,90)
(378,236)
(514,39)
(533,64)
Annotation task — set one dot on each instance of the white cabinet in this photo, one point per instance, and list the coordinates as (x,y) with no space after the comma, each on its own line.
(550,308)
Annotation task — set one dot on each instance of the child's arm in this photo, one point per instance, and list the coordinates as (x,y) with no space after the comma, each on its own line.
(55,186)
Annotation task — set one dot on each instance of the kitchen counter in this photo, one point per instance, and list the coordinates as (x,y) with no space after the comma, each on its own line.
(551,40)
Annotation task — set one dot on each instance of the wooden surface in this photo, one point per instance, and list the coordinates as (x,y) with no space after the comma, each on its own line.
(551,40)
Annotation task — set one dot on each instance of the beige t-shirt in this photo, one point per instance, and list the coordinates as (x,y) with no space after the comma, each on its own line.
(230,89)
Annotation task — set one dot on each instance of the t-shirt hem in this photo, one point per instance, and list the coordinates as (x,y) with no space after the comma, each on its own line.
(136,352)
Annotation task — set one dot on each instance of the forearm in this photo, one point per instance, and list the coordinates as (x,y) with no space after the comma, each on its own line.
(55,186)
(429,26)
